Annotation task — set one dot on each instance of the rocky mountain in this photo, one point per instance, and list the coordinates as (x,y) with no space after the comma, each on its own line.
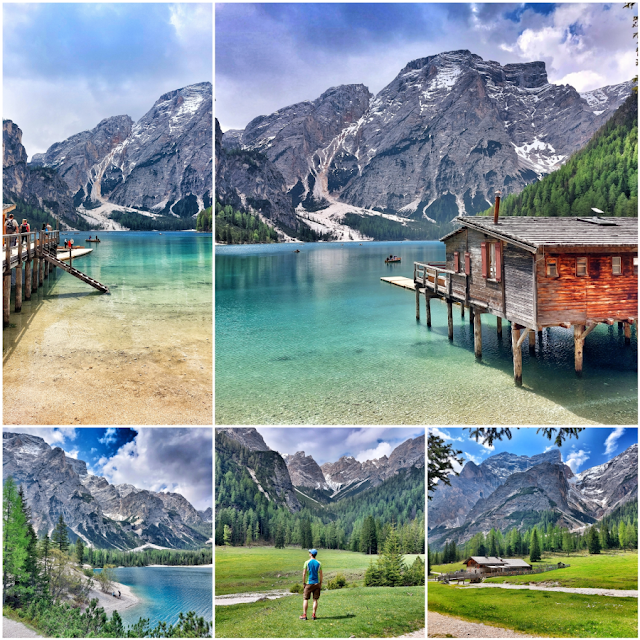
(38,186)
(547,485)
(248,437)
(304,471)
(436,142)
(249,181)
(161,165)
(103,515)
(206,515)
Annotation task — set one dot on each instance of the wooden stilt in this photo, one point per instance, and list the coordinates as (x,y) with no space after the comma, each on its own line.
(46,269)
(471,312)
(532,341)
(578,341)
(477,334)
(627,333)
(450,318)
(27,280)
(428,306)
(6,300)
(418,302)
(620,325)
(34,275)
(462,310)
(499,326)
(40,271)
(517,354)
(18,300)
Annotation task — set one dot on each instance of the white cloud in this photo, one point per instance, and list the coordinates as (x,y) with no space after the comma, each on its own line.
(612,441)
(73,453)
(576,459)
(93,450)
(551,446)
(474,459)
(109,436)
(445,435)
(175,460)
(53,436)
(383,449)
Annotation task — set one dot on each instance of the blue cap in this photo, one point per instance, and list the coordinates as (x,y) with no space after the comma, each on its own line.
(313,552)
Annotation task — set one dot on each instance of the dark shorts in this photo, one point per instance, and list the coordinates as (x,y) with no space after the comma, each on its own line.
(311,589)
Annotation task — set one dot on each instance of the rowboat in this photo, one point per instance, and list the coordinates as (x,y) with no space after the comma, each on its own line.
(93,240)
(393,260)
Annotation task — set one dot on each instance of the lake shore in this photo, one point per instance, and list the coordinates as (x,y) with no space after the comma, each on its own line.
(111,604)
(182,566)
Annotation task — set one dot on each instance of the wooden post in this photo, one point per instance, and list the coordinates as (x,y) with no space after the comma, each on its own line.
(6,299)
(417,300)
(27,279)
(462,309)
(428,306)
(517,354)
(471,312)
(532,341)
(627,333)
(18,300)
(499,326)
(477,334)
(40,260)
(578,341)
(450,318)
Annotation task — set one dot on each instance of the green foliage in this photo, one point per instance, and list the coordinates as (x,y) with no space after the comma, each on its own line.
(568,615)
(60,538)
(338,582)
(15,538)
(138,222)
(593,541)
(296,588)
(79,550)
(34,215)
(390,569)
(235,227)
(441,458)
(535,547)
(604,175)
(203,221)
(380,228)
(170,557)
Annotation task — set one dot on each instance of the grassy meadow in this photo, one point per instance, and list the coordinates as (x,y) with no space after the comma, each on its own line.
(608,570)
(364,612)
(242,569)
(558,615)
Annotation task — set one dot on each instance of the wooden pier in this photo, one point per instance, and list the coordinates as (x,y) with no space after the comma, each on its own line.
(35,255)
(573,273)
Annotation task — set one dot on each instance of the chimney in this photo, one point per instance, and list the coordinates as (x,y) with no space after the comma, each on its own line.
(496,209)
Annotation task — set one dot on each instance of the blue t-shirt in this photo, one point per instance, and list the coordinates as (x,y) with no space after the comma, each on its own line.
(312,566)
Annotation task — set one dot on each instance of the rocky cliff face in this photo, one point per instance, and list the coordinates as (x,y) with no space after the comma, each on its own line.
(249,181)
(247,437)
(206,515)
(304,471)
(38,186)
(103,515)
(436,142)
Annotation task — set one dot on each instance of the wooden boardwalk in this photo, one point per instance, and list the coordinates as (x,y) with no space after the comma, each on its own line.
(400,281)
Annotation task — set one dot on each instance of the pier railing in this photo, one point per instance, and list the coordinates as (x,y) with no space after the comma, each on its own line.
(443,281)
(18,247)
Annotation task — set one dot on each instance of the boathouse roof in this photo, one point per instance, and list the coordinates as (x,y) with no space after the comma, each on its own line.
(532,232)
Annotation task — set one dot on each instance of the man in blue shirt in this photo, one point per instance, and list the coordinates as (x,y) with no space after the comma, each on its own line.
(312,580)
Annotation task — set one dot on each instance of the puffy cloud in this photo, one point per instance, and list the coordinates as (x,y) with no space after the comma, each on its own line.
(54,436)
(611,443)
(73,453)
(445,435)
(109,436)
(474,459)
(165,459)
(383,449)
(576,459)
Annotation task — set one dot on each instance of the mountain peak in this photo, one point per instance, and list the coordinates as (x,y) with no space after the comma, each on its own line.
(248,437)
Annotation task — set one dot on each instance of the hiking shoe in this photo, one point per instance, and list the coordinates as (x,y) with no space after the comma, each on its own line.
(303,617)
(314,617)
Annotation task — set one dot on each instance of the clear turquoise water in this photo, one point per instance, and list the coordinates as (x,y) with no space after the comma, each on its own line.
(317,338)
(140,355)
(166,591)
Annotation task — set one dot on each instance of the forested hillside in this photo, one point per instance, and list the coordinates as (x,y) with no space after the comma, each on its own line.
(235,227)
(603,175)
(244,515)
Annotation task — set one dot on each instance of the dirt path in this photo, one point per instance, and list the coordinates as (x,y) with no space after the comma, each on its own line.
(243,598)
(617,593)
(12,629)
(420,633)
(440,626)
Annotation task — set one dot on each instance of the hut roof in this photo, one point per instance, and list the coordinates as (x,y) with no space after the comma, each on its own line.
(484,560)
(516,562)
(532,232)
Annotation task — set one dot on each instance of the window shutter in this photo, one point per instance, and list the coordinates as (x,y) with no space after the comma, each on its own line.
(483,254)
(498,261)
(467,263)
(456,261)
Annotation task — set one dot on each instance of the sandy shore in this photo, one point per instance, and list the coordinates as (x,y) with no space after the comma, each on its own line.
(111,604)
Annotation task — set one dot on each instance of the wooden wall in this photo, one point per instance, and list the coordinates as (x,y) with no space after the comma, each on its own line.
(519,287)
(598,296)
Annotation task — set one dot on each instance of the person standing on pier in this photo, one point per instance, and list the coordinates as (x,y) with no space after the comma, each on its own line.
(12,228)
(25,228)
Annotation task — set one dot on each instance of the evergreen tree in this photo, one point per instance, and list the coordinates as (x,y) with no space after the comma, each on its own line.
(227,535)
(79,551)
(567,542)
(279,541)
(593,541)
(15,538)
(60,538)
(368,536)
(392,560)
(45,553)
(535,547)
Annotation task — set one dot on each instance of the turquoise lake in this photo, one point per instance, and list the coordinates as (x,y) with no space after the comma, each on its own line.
(316,338)
(167,591)
(139,355)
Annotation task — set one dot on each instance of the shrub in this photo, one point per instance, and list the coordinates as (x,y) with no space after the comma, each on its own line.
(296,588)
(88,572)
(338,582)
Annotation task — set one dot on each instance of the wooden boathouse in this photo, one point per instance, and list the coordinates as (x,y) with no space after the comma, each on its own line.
(536,273)
(30,257)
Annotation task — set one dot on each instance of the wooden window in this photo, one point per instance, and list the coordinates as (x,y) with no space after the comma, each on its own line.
(616,265)
(467,263)
(552,268)
(491,260)
(456,261)
(581,267)
(498,252)
(635,265)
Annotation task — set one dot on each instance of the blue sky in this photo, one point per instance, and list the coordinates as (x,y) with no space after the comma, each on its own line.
(594,446)
(328,444)
(160,459)
(272,55)
(68,66)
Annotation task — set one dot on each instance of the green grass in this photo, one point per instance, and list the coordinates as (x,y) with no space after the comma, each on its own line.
(364,612)
(605,571)
(448,568)
(241,569)
(561,615)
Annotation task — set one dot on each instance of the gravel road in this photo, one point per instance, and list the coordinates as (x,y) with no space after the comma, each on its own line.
(440,626)
(12,629)
(616,593)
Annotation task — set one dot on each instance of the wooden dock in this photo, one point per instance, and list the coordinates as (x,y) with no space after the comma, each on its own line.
(36,251)
(400,281)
